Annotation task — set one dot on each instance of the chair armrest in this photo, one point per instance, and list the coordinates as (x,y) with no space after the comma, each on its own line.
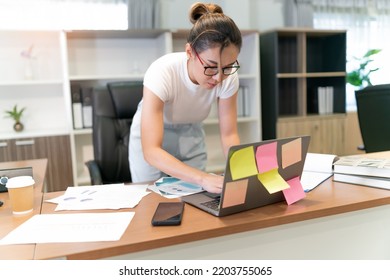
(94,172)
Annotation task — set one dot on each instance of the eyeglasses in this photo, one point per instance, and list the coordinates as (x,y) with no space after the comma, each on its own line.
(213,70)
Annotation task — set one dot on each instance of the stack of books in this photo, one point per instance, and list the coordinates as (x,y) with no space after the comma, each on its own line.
(325,100)
(372,172)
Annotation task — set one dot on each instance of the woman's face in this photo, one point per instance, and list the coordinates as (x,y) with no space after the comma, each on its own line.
(210,58)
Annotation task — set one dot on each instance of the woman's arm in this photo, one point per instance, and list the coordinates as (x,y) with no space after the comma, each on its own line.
(152,133)
(227,113)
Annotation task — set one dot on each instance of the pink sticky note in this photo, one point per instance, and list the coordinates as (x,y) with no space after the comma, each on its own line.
(295,192)
(266,157)
(291,152)
(235,193)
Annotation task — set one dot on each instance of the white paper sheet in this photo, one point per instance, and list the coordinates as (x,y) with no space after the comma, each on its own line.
(317,168)
(82,227)
(115,196)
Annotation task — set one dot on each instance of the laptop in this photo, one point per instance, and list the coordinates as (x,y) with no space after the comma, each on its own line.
(255,175)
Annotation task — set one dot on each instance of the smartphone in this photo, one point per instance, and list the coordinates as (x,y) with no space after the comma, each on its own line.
(168,214)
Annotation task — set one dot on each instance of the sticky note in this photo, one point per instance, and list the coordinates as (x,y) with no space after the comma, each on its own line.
(272,181)
(295,192)
(235,193)
(291,152)
(243,163)
(266,157)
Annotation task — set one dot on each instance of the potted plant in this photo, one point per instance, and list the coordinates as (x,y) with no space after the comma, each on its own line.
(360,77)
(16,114)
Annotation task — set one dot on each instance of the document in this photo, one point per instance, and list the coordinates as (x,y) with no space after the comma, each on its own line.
(171,187)
(82,227)
(317,168)
(110,196)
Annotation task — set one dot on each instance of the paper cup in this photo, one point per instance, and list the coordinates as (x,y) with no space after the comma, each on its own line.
(21,194)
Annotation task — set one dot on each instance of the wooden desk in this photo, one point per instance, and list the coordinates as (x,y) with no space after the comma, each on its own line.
(8,221)
(329,216)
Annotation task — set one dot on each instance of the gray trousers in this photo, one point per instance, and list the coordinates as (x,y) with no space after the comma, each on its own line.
(185,142)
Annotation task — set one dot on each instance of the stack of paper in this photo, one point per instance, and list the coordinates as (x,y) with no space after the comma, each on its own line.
(363,171)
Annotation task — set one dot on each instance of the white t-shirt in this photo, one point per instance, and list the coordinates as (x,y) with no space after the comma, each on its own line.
(185,102)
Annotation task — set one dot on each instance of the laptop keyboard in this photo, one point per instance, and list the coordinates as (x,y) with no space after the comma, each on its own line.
(212,204)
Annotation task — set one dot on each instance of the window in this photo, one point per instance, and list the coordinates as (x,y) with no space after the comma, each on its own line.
(368,27)
(63,14)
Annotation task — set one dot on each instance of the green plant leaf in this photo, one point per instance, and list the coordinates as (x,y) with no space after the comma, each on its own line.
(372,52)
(361,76)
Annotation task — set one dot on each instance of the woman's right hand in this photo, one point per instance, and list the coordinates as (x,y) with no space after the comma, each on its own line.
(212,183)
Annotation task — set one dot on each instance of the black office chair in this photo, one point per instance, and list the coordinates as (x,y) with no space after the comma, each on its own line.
(373,108)
(113,109)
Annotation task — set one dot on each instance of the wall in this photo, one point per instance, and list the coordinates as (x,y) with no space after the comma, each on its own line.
(248,14)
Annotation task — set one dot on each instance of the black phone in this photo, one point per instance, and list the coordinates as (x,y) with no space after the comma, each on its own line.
(168,214)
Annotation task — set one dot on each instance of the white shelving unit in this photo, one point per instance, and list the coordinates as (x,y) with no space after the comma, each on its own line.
(97,57)
(93,58)
(36,83)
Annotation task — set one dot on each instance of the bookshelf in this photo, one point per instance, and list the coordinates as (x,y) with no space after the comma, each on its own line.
(97,57)
(295,63)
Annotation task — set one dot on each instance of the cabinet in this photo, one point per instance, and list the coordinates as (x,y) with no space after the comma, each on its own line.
(295,63)
(327,132)
(55,148)
(249,123)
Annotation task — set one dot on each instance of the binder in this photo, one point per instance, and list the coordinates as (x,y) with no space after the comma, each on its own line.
(86,96)
(76,106)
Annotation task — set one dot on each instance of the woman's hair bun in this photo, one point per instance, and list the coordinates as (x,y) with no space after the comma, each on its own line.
(199,9)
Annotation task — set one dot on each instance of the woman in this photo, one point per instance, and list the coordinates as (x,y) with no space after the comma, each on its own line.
(167,137)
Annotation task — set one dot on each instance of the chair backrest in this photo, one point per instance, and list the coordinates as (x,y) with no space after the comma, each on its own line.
(373,108)
(113,109)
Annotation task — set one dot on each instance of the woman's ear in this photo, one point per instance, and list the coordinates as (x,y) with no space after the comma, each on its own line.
(188,51)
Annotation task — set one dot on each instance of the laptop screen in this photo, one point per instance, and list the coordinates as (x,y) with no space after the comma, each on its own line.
(262,173)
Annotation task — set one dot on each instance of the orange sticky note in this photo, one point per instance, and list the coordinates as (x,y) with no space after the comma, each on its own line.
(272,181)
(243,163)
(291,152)
(266,157)
(295,192)
(235,193)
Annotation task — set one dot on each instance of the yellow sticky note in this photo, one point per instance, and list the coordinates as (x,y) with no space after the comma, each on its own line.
(235,193)
(243,163)
(272,181)
(291,152)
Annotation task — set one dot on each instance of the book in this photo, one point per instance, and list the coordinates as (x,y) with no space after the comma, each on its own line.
(317,169)
(86,96)
(325,100)
(370,181)
(354,165)
(76,106)
(243,102)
